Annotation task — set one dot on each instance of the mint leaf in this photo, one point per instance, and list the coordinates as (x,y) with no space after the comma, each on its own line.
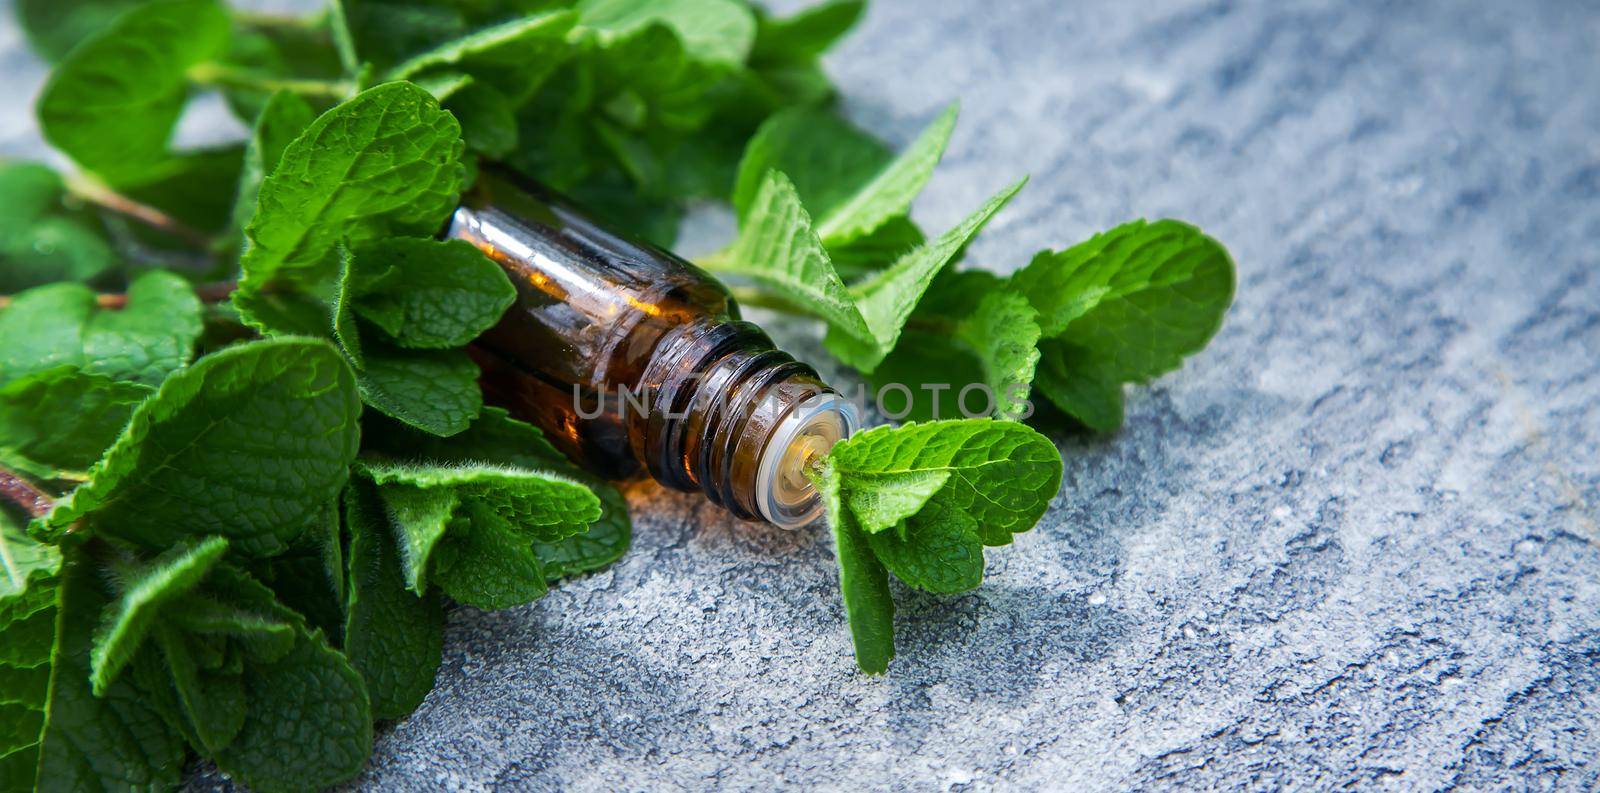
(425,503)
(829,159)
(1001,474)
(1125,306)
(1074,381)
(308,721)
(1171,259)
(863,582)
(537,504)
(261,635)
(433,390)
(146,589)
(937,550)
(386,161)
(392,636)
(892,240)
(427,294)
(57,324)
(54,28)
(890,191)
(777,248)
(497,438)
(1003,332)
(931,359)
(513,57)
(27,633)
(921,501)
(61,420)
(89,742)
(40,239)
(715,31)
(23,560)
(192,455)
(282,119)
(211,698)
(488,119)
(648,79)
(804,36)
(486,563)
(886,299)
(133,71)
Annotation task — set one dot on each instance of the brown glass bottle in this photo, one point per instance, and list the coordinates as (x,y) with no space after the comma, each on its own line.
(630,358)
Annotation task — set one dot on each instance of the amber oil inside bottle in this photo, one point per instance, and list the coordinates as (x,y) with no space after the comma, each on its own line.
(634,360)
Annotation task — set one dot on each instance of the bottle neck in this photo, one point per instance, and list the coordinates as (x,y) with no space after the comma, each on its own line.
(728,414)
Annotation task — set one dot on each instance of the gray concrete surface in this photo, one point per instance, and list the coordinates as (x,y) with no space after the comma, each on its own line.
(1353,544)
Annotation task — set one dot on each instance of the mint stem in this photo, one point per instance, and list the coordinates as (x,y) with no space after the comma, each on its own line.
(24,493)
(218,75)
(106,198)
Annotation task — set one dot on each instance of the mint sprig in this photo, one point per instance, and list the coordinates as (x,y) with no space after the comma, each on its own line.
(249,456)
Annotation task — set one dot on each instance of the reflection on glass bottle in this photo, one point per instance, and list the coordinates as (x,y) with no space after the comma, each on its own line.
(630,358)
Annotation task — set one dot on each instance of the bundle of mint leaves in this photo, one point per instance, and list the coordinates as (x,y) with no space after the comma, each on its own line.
(244,457)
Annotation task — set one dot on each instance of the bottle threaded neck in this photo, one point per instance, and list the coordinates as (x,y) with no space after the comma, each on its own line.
(730,415)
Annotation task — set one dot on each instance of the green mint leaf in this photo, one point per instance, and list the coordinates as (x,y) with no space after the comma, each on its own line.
(486,563)
(27,634)
(829,159)
(930,359)
(425,501)
(778,249)
(537,504)
(212,701)
(41,241)
(191,456)
(892,240)
(649,79)
(386,161)
(514,57)
(1002,474)
(934,366)
(1003,332)
(282,119)
(488,119)
(188,189)
(392,636)
(882,503)
(420,517)
(1171,259)
(888,195)
(54,28)
(937,550)
(1080,385)
(863,581)
(146,589)
(427,294)
(887,298)
(805,35)
(57,324)
(61,420)
(95,743)
(265,637)
(133,71)
(23,560)
(311,690)
(497,438)
(433,390)
(1124,306)
(606,540)
(715,31)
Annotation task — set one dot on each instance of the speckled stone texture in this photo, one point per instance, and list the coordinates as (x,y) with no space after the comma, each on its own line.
(1354,543)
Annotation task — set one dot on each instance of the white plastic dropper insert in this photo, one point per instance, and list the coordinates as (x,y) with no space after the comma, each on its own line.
(786,498)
